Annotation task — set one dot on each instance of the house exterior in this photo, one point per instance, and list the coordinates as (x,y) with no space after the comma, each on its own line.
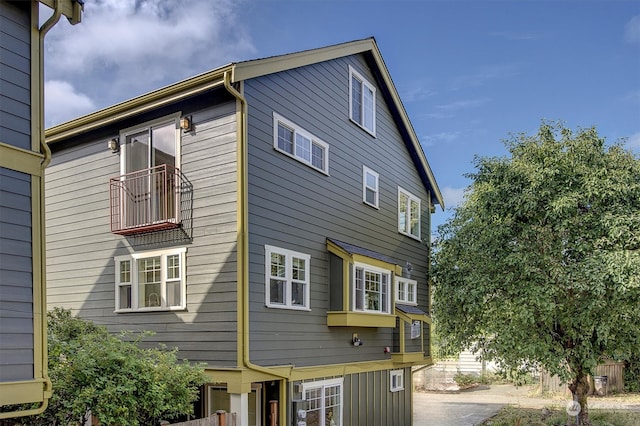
(23,157)
(270,218)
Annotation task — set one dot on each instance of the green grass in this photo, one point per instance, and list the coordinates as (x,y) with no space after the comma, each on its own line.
(512,416)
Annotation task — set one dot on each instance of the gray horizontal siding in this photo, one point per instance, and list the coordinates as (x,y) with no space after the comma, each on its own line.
(368,401)
(16,277)
(81,248)
(295,207)
(15,71)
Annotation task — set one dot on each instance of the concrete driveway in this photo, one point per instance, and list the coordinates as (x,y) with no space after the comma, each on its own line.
(473,406)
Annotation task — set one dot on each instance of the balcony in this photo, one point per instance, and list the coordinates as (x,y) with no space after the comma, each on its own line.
(146,200)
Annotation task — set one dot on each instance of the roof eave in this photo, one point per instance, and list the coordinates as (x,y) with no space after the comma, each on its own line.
(245,70)
(402,114)
(72,9)
(137,105)
(260,67)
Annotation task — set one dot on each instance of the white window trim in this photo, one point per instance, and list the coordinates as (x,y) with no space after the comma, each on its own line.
(411,197)
(365,171)
(399,385)
(405,300)
(289,254)
(367,84)
(172,118)
(163,270)
(367,267)
(297,130)
(322,384)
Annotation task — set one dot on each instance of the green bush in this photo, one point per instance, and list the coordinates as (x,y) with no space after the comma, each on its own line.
(466,380)
(112,377)
(510,416)
(632,374)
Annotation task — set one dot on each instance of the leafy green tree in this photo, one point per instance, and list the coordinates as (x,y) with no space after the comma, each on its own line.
(112,377)
(540,265)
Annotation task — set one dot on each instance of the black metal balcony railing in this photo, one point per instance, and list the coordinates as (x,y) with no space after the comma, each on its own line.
(145,200)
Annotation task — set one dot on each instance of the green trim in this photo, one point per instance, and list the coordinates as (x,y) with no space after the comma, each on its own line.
(22,160)
(257,68)
(347,317)
(408,357)
(140,104)
(69,8)
(360,319)
(241,378)
(23,392)
(32,161)
(377,56)
(243,71)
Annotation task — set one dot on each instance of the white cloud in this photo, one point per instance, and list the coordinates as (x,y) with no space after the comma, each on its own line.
(633,142)
(464,104)
(632,30)
(124,48)
(453,197)
(442,137)
(485,75)
(417,93)
(438,115)
(62,102)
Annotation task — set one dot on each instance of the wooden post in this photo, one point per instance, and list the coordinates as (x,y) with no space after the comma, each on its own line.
(222,417)
(273,405)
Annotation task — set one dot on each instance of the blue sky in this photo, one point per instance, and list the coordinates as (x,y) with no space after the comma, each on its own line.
(470,73)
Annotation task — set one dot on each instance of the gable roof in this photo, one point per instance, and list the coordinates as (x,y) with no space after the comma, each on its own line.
(246,70)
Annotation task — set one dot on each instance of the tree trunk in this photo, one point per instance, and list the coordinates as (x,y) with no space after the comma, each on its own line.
(579,389)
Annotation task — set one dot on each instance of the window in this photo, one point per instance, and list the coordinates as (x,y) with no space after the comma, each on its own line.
(369,187)
(408,214)
(151,281)
(324,402)
(406,291)
(151,145)
(362,102)
(287,278)
(299,144)
(364,279)
(371,289)
(146,195)
(396,380)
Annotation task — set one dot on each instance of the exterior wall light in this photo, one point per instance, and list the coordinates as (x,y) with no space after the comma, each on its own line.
(186,124)
(356,341)
(114,145)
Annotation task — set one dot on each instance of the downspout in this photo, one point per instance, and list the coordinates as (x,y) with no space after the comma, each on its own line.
(57,13)
(243,239)
(53,19)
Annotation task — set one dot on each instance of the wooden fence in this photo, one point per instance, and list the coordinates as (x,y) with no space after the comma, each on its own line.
(218,419)
(614,380)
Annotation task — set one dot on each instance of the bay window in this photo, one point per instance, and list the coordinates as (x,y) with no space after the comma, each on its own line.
(371,289)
